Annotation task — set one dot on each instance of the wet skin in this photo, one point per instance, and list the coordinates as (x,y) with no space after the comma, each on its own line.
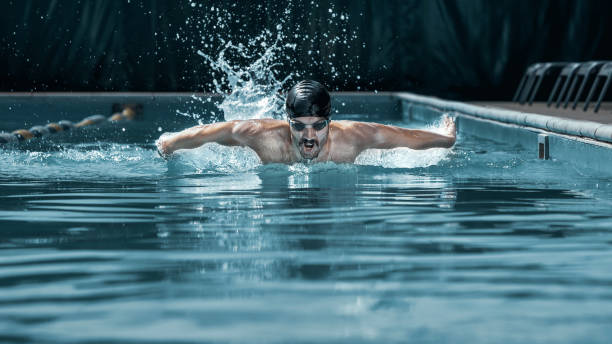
(275,141)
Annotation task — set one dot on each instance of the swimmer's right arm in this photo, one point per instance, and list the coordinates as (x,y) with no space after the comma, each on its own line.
(224,133)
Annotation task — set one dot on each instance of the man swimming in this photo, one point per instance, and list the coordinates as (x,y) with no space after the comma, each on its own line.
(308,134)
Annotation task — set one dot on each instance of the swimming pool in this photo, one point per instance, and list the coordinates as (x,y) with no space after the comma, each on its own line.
(103,241)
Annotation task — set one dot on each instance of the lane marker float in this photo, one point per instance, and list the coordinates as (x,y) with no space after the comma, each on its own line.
(121,112)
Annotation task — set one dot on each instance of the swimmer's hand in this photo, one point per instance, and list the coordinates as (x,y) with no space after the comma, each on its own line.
(161,149)
(449,127)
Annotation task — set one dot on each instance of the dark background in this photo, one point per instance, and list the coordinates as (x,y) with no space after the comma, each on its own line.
(462,49)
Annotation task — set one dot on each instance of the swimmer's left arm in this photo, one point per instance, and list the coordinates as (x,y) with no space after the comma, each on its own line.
(386,137)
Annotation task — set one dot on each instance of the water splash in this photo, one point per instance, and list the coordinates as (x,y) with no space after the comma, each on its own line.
(251,70)
(255,88)
(402,157)
(251,73)
(214,158)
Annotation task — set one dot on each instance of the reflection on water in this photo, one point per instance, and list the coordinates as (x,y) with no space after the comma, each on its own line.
(475,248)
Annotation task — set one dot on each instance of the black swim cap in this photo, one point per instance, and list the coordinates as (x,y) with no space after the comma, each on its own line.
(308,98)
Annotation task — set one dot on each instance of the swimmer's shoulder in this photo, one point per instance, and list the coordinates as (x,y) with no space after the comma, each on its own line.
(355,129)
(271,123)
(253,126)
(348,125)
(271,126)
(267,137)
(258,129)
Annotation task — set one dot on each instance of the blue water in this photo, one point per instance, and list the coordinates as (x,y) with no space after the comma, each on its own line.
(105,242)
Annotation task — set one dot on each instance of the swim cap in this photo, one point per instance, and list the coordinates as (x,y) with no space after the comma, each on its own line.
(308,98)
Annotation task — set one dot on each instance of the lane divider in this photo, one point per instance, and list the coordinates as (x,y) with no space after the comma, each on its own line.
(121,112)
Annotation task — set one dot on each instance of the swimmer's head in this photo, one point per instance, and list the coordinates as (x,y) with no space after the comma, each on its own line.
(308,98)
(308,107)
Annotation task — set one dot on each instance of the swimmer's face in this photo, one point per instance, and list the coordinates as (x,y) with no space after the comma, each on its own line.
(309,135)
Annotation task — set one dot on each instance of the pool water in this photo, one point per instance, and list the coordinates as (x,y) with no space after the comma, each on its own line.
(483,243)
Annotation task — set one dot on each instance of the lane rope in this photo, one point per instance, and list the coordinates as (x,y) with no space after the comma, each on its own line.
(121,112)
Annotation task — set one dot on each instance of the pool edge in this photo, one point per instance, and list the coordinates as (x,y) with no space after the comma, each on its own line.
(587,129)
(588,145)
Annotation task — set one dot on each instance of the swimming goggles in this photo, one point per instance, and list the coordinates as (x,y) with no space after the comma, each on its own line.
(299,126)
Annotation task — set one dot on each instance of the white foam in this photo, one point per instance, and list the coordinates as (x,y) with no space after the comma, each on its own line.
(402,157)
(215,158)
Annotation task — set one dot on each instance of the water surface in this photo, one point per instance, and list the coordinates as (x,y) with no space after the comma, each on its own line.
(105,242)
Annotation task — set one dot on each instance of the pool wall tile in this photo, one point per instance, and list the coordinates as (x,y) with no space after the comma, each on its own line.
(583,156)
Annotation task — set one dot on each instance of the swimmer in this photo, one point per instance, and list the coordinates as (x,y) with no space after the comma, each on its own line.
(308,134)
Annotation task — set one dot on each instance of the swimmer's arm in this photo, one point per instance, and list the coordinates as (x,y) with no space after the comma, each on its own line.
(224,133)
(385,137)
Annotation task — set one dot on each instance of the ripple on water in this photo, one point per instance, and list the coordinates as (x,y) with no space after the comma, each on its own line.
(109,243)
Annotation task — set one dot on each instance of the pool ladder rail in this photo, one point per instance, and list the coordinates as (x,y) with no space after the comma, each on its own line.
(120,112)
(568,75)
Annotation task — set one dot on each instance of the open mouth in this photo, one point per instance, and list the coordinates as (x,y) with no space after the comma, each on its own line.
(308,145)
